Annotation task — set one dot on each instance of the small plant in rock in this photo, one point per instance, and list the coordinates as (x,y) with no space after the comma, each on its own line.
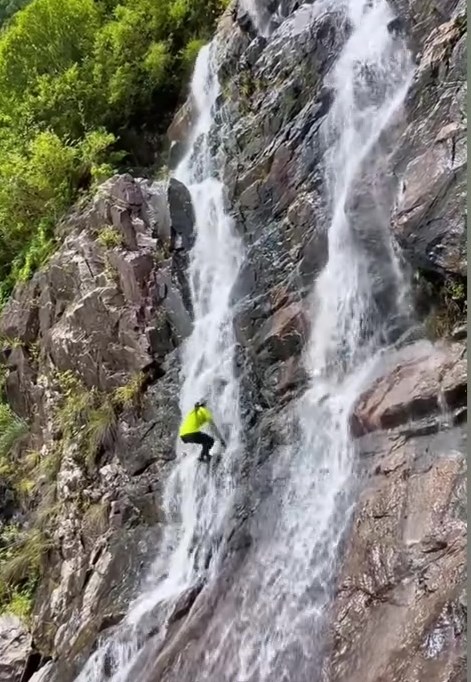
(10,342)
(100,429)
(50,464)
(19,602)
(163,173)
(87,416)
(161,254)
(21,560)
(48,511)
(450,309)
(109,237)
(95,520)
(34,350)
(111,271)
(3,377)
(12,430)
(129,394)
(77,403)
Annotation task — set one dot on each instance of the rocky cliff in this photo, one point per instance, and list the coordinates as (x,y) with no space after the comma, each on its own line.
(90,366)
(90,358)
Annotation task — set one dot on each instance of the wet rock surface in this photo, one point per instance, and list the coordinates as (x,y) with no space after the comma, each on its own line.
(392,618)
(400,609)
(428,382)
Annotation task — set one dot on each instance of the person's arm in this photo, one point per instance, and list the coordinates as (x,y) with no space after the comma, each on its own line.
(215,429)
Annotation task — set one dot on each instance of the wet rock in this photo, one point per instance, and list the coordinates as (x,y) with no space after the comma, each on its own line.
(283,335)
(425,381)
(151,436)
(108,581)
(400,588)
(182,216)
(429,219)
(182,121)
(15,648)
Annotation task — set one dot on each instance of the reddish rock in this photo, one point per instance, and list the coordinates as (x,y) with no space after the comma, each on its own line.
(421,384)
(284,333)
(399,614)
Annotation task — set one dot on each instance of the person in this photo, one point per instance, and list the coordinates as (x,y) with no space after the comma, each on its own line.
(190,430)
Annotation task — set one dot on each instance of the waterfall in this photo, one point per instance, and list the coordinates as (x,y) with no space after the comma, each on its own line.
(270,626)
(196,498)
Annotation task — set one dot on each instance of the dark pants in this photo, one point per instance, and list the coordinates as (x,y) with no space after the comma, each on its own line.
(201,439)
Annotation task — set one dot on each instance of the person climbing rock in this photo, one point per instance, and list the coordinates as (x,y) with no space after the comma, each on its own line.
(190,430)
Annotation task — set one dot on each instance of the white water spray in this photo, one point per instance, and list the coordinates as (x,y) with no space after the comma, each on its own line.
(196,499)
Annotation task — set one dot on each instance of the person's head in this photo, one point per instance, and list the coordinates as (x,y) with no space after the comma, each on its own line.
(200,403)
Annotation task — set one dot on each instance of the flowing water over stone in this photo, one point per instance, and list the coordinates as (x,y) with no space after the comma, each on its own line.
(197,498)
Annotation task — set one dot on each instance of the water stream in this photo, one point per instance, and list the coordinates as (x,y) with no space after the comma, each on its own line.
(196,500)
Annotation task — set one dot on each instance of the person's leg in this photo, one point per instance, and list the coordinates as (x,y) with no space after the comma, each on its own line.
(207,442)
(202,439)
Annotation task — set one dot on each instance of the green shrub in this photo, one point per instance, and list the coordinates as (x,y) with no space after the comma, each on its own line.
(450,308)
(109,237)
(128,395)
(12,429)
(73,76)
(100,429)
(21,560)
(19,602)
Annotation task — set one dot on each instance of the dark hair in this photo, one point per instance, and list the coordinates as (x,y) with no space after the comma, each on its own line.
(200,403)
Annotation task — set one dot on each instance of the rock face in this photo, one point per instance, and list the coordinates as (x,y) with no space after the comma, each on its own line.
(93,338)
(429,381)
(15,646)
(429,220)
(400,610)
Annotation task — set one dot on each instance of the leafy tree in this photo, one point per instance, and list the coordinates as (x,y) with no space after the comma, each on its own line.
(74,77)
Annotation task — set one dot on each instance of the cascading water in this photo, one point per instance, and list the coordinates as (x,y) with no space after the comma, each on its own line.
(195,499)
(271,624)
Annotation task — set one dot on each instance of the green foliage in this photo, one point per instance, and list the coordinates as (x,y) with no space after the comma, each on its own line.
(9,7)
(21,559)
(73,76)
(109,237)
(129,394)
(86,417)
(19,602)
(449,310)
(100,429)
(12,429)
(77,404)
(190,52)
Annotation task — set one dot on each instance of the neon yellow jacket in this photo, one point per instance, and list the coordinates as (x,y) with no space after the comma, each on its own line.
(194,420)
